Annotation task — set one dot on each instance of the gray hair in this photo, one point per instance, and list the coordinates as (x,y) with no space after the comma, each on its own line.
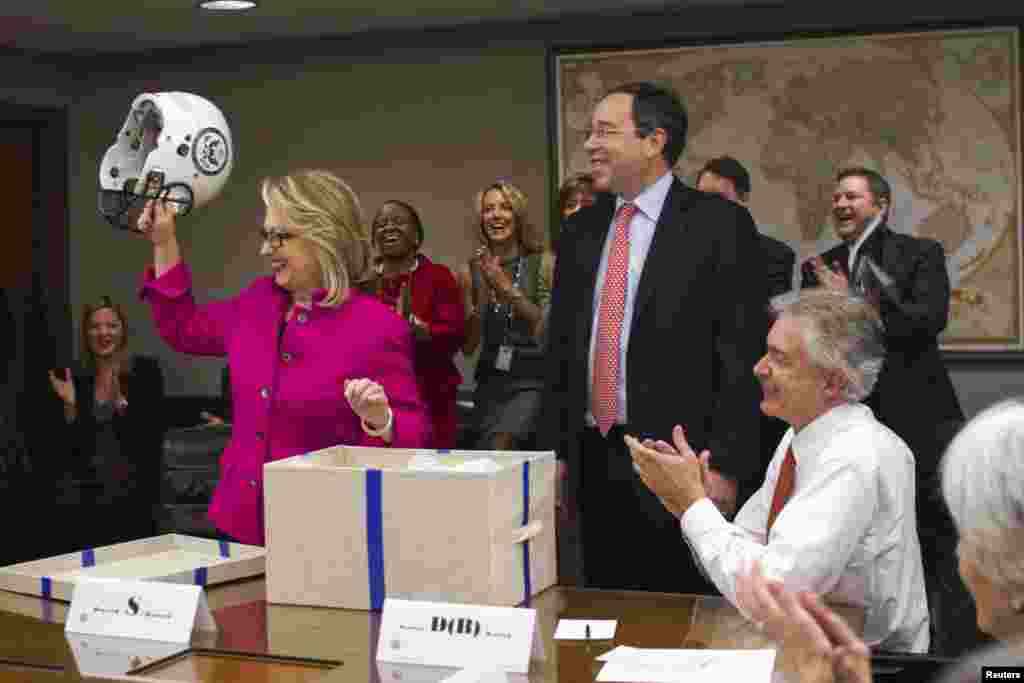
(842,333)
(983,484)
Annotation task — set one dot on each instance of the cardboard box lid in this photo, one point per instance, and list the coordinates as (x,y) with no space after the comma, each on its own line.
(170,557)
(418,461)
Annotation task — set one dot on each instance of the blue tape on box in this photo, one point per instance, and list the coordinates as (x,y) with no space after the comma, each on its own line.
(527,587)
(199,576)
(375,538)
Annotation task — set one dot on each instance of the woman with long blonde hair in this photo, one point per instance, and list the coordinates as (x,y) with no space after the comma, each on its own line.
(508,287)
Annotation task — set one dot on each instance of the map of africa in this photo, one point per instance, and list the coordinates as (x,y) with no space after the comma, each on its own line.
(936,113)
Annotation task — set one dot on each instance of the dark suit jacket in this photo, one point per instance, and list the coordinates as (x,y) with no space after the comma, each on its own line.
(140,430)
(779,260)
(697,331)
(914,396)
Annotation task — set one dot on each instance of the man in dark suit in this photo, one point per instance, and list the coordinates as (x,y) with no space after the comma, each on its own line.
(649,327)
(906,279)
(727,177)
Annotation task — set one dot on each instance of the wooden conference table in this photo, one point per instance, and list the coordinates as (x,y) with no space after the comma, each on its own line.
(259,642)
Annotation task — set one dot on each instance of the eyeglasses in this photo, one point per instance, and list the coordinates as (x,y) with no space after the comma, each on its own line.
(601,133)
(274,238)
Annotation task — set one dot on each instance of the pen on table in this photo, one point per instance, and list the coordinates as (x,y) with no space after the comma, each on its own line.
(586,632)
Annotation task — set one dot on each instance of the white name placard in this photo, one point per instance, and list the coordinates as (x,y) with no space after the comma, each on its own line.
(147,610)
(466,636)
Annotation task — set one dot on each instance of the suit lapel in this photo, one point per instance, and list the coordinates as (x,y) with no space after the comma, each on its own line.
(874,246)
(664,254)
(589,249)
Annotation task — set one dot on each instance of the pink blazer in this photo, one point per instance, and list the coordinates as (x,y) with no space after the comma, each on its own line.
(287,378)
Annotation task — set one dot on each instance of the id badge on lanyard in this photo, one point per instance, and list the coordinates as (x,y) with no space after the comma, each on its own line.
(506,351)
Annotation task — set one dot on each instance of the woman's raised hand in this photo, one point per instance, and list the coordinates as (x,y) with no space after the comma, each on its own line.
(63,387)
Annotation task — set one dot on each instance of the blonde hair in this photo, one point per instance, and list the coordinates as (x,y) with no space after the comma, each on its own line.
(530,238)
(326,212)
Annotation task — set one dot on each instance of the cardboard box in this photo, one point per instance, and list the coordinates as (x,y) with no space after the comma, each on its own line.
(171,557)
(347,526)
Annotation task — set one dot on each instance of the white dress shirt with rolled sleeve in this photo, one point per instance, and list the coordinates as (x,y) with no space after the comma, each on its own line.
(849,528)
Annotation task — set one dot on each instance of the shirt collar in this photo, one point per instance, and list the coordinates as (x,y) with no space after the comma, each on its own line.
(813,439)
(875,222)
(652,199)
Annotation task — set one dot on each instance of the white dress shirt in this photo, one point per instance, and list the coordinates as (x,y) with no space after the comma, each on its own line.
(849,528)
(852,259)
(649,204)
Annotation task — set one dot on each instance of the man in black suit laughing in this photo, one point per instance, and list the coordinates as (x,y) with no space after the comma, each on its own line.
(905,277)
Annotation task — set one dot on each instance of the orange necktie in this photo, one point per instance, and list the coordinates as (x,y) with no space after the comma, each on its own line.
(783,489)
(605,392)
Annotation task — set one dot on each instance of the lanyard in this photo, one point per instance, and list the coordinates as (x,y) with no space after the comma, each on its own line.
(496,306)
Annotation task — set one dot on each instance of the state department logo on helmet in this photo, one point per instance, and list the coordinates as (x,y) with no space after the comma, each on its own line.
(174,146)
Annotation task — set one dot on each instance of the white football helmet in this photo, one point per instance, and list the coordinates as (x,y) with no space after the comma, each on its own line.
(173,145)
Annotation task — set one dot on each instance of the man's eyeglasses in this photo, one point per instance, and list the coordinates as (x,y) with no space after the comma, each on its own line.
(601,133)
(274,238)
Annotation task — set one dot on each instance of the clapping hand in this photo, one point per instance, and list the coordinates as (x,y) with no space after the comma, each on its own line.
(674,475)
(832,278)
(369,401)
(808,632)
(490,266)
(63,387)
(720,489)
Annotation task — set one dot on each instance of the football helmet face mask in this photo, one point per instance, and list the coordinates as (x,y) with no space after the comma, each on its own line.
(173,146)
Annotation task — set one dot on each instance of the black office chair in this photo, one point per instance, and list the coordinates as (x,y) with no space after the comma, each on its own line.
(189,474)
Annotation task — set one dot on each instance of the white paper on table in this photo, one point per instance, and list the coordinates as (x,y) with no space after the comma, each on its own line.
(694,666)
(576,629)
(619,651)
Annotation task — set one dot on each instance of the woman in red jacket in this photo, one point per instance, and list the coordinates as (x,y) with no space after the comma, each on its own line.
(426,295)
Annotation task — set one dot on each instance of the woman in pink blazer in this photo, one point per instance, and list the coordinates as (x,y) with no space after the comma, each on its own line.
(314,361)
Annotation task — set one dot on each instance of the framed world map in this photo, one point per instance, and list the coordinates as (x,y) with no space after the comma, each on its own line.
(937,113)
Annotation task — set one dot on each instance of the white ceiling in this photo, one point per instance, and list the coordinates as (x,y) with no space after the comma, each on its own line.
(103,26)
